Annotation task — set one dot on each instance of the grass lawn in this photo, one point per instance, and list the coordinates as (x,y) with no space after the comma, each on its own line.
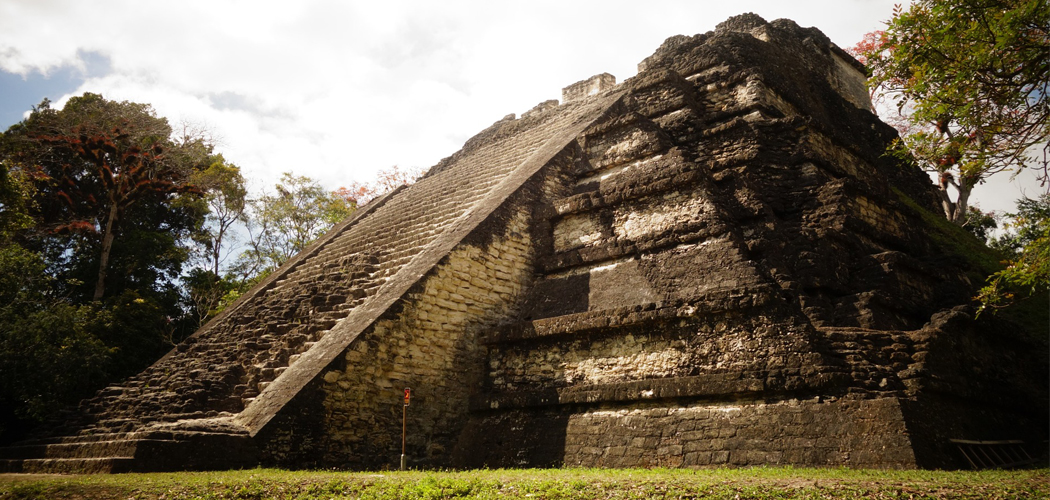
(764,482)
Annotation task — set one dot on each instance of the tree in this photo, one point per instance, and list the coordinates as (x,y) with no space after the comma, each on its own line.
(970,79)
(387,180)
(1027,272)
(282,224)
(225,198)
(96,211)
(104,171)
(982,224)
(225,195)
(49,354)
(122,175)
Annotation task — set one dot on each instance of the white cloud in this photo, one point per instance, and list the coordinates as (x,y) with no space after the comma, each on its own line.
(336,90)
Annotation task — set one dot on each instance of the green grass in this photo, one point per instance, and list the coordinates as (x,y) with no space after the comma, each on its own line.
(763,482)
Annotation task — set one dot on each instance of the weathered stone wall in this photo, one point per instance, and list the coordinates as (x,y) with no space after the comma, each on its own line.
(588,87)
(834,432)
(429,345)
(720,179)
(351,416)
(740,344)
(847,77)
(431,348)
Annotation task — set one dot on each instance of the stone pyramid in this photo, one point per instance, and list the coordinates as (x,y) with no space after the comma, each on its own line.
(711,263)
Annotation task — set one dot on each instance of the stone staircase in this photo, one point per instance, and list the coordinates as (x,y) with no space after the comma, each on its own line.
(222,369)
(172,447)
(875,360)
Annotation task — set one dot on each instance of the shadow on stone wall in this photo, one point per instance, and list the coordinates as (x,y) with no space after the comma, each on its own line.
(536,436)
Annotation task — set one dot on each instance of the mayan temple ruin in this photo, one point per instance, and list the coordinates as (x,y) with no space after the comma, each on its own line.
(711,263)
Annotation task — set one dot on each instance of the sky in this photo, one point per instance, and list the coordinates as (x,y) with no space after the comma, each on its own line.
(337,90)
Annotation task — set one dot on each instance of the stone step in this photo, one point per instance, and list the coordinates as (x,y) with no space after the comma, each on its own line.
(102,436)
(85,449)
(68,465)
(713,385)
(183,450)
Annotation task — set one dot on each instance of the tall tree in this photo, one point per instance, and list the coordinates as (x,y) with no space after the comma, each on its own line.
(970,78)
(225,194)
(106,172)
(122,175)
(225,198)
(96,209)
(283,223)
(98,205)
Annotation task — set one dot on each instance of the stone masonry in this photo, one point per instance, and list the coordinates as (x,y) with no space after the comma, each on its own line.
(711,263)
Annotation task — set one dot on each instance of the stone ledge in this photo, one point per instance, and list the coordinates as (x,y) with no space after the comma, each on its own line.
(607,320)
(161,451)
(681,235)
(676,170)
(671,171)
(715,386)
(107,465)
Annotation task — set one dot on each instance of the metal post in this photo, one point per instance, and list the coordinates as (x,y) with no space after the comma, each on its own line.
(404,419)
(404,414)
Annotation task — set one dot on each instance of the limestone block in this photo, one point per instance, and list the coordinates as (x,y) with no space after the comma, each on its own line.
(576,231)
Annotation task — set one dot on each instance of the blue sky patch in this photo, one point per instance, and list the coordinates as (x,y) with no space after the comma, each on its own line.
(21,93)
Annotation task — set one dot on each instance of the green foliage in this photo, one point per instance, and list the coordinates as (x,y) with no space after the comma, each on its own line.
(139,331)
(54,353)
(223,203)
(49,353)
(208,293)
(1027,272)
(16,198)
(282,224)
(106,188)
(970,79)
(97,211)
(225,195)
(981,224)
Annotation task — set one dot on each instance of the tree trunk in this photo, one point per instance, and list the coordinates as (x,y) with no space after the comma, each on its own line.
(954,211)
(216,250)
(946,203)
(962,204)
(107,246)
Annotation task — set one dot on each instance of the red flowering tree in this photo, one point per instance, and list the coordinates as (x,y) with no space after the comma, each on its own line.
(969,79)
(386,180)
(108,181)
